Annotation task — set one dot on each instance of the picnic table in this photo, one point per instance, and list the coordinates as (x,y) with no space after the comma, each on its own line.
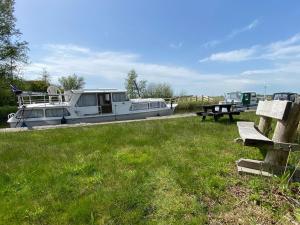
(217,111)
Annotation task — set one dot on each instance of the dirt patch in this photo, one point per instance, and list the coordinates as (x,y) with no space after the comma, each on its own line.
(242,206)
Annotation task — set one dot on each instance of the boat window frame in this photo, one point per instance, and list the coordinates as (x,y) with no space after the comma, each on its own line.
(79,99)
(119,93)
(163,105)
(29,110)
(66,112)
(132,107)
(155,107)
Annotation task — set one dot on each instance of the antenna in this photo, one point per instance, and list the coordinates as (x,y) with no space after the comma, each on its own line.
(137,88)
(265,91)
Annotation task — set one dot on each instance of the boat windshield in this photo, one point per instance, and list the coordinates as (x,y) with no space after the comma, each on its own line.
(234,96)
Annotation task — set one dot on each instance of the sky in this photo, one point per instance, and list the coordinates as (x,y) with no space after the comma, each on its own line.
(198,47)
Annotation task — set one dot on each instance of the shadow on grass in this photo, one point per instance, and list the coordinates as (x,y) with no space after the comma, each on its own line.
(225,120)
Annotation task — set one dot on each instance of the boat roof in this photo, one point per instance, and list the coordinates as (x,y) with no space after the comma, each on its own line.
(147,100)
(98,90)
(287,93)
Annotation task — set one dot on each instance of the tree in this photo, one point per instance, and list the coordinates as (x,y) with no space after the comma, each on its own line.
(133,87)
(13,51)
(36,85)
(71,82)
(159,90)
(45,77)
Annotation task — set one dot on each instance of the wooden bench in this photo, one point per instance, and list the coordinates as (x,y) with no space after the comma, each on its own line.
(279,147)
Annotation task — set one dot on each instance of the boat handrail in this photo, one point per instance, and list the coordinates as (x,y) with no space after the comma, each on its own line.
(11,115)
(28,98)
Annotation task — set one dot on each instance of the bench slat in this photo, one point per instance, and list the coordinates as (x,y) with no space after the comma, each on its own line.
(274,109)
(251,136)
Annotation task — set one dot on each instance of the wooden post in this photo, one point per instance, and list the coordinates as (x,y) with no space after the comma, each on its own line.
(264,125)
(285,131)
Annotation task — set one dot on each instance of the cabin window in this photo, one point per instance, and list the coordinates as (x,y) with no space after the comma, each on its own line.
(292,97)
(57,112)
(30,113)
(154,104)
(139,106)
(119,97)
(87,100)
(163,105)
(281,96)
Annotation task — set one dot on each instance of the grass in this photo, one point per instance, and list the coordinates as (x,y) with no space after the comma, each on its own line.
(194,106)
(179,171)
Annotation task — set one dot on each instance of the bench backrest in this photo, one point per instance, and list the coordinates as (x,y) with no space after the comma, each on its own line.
(274,109)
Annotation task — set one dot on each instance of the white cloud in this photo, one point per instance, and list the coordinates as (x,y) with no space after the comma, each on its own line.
(281,77)
(231,56)
(285,69)
(280,44)
(69,47)
(286,49)
(261,72)
(232,34)
(109,68)
(176,45)
(249,27)
(102,68)
(211,44)
(66,59)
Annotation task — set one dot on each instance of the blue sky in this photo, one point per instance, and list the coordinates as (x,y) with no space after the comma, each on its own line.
(199,47)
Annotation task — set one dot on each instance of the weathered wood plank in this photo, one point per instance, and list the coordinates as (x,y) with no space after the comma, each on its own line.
(251,136)
(285,132)
(264,125)
(257,167)
(274,109)
(286,146)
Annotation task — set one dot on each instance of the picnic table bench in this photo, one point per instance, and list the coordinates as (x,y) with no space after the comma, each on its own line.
(217,111)
(278,148)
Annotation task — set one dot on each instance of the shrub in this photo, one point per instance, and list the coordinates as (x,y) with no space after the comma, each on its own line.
(193,106)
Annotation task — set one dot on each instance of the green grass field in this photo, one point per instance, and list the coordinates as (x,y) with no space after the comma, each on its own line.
(178,171)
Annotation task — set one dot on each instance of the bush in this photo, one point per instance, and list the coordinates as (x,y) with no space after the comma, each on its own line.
(193,106)
(188,107)
(4,111)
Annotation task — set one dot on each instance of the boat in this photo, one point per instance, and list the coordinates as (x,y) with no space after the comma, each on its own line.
(83,106)
(288,96)
(241,99)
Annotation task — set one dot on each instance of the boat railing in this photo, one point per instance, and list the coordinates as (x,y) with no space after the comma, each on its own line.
(11,115)
(27,98)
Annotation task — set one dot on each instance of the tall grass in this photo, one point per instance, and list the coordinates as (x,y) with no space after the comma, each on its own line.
(186,106)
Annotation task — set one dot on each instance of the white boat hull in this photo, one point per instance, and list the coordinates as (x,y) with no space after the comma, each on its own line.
(92,119)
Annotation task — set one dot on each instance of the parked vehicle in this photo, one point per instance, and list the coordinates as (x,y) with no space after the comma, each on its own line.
(285,96)
(241,99)
(83,106)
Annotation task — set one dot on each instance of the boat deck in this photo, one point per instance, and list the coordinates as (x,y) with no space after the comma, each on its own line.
(20,129)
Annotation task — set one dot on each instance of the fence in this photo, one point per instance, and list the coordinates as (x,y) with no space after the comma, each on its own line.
(192,103)
(194,98)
